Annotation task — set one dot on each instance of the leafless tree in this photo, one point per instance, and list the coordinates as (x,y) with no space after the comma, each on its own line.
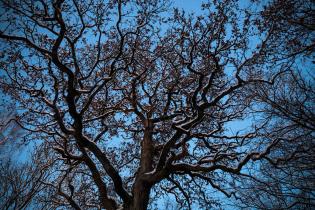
(287,180)
(20,184)
(129,103)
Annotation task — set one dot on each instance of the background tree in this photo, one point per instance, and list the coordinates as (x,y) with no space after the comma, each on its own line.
(20,185)
(127,111)
(20,180)
(286,181)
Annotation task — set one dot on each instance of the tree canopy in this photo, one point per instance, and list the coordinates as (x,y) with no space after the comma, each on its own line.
(132,102)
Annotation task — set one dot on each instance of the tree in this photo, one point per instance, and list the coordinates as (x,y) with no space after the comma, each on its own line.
(20,180)
(127,111)
(20,184)
(286,180)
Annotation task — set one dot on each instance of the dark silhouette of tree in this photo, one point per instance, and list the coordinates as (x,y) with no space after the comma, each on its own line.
(20,180)
(285,179)
(19,185)
(130,103)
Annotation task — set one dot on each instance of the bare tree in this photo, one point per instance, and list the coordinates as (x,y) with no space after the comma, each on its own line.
(131,103)
(20,184)
(286,180)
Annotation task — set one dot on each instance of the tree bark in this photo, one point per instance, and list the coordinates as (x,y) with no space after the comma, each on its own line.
(142,188)
(141,196)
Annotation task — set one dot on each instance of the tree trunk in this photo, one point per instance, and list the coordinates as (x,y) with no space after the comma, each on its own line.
(141,195)
(141,189)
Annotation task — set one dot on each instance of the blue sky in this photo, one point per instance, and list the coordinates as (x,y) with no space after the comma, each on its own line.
(189,5)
